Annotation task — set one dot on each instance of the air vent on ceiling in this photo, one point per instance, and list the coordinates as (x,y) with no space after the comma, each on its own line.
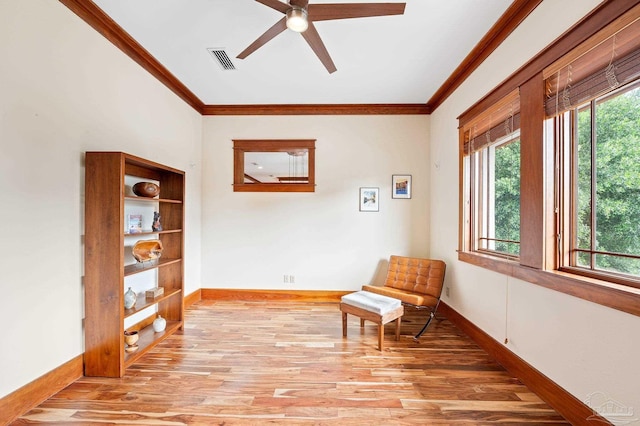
(223,59)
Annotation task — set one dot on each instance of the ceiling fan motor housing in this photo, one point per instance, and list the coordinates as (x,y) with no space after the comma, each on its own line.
(297,19)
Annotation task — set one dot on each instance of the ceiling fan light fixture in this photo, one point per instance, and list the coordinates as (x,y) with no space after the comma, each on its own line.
(297,19)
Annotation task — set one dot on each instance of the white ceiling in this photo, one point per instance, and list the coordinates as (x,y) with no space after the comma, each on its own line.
(387,60)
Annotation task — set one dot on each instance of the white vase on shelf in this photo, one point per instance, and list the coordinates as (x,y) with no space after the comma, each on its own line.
(130,299)
(159,324)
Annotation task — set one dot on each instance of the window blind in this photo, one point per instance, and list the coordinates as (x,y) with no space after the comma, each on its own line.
(605,62)
(493,124)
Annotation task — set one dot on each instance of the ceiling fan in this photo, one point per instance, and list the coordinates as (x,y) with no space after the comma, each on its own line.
(300,16)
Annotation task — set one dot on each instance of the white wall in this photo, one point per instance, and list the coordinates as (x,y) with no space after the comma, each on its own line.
(584,347)
(64,89)
(250,240)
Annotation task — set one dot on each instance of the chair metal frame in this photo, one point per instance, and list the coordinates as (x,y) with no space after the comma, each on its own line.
(432,315)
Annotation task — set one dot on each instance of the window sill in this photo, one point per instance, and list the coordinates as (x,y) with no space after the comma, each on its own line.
(612,295)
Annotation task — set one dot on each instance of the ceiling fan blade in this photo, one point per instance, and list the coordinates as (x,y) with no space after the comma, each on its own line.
(326,12)
(279,27)
(299,3)
(275,4)
(314,40)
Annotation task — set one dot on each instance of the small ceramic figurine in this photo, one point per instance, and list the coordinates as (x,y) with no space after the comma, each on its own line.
(156,226)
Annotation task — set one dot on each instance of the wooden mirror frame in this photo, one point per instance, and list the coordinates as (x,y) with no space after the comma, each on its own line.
(240,146)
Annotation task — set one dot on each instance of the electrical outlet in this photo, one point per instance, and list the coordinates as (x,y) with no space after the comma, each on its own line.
(286,278)
(446,291)
(292,279)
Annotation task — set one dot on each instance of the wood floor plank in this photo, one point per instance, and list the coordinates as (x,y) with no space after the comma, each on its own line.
(286,362)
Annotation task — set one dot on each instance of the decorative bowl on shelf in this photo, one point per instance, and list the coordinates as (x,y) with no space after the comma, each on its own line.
(146,189)
(145,250)
(131,338)
(131,348)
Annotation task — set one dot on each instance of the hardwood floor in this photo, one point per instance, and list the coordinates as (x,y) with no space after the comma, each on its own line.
(248,363)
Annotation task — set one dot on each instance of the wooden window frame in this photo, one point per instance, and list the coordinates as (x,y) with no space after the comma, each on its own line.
(481,193)
(538,257)
(567,192)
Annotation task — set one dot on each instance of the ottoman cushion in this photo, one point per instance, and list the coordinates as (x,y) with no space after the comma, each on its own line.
(371,302)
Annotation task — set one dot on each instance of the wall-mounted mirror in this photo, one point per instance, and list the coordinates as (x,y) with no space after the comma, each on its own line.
(274,165)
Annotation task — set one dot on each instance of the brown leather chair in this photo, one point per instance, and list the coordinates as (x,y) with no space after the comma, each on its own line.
(416,282)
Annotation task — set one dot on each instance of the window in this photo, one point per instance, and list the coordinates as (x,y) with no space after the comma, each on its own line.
(492,164)
(601,188)
(577,127)
(593,105)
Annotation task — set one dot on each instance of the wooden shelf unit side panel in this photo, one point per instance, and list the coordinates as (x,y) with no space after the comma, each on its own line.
(170,277)
(172,185)
(172,245)
(171,309)
(103,278)
(171,215)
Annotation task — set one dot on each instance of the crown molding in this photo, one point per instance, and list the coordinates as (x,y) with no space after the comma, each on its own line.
(317,109)
(88,11)
(101,22)
(509,21)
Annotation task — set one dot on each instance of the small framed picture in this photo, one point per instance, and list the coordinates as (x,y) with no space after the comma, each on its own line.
(135,224)
(401,186)
(369,199)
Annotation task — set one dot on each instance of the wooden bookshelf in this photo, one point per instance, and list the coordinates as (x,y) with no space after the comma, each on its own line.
(106,196)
